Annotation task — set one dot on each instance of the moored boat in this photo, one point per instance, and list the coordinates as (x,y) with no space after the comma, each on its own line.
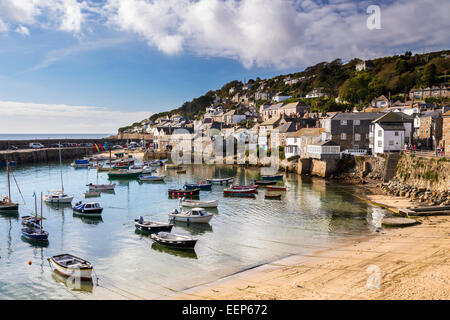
(35,234)
(173,166)
(58,196)
(124,174)
(174,240)
(272,196)
(276,188)
(264,183)
(31,221)
(254,186)
(195,215)
(151,178)
(181,171)
(81,163)
(272,177)
(220,181)
(91,209)
(101,187)
(7,204)
(201,186)
(151,226)
(71,266)
(92,194)
(183,193)
(197,203)
(237,191)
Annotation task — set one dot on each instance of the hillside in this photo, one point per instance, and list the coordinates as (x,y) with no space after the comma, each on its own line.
(395,76)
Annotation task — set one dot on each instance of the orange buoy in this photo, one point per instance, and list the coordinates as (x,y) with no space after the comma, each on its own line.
(30,262)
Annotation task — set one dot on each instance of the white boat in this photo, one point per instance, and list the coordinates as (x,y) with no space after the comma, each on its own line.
(71,266)
(195,215)
(101,187)
(197,203)
(92,194)
(220,181)
(151,178)
(148,169)
(58,196)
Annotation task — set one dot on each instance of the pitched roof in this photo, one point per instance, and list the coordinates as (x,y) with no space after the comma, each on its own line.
(289,105)
(391,127)
(274,106)
(357,116)
(306,132)
(270,121)
(287,127)
(394,117)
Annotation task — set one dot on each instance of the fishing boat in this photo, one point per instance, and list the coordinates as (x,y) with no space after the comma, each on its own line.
(181,171)
(173,166)
(233,191)
(254,186)
(264,183)
(36,233)
(276,196)
(101,187)
(91,209)
(92,194)
(81,163)
(71,266)
(197,203)
(103,169)
(58,196)
(151,178)
(276,188)
(195,215)
(220,181)
(31,221)
(272,177)
(174,240)
(201,186)
(248,193)
(184,193)
(151,226)
(5,202)
(148,169)
(124,174)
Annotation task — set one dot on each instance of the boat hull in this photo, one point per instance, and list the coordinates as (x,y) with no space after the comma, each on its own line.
(276,188)
(204,187)
(28,234)
(200,204)
(190,219)
(84,273)
(9,207)
(184,193)
(265,183)
(61,200)
(127,175)
(151,178)
(272,178)
(152,229)
(177,244)
(101,187)
(220,181)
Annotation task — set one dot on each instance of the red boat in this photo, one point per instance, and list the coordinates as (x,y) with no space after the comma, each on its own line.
(277,188)
(184,193)
(244,187)
(239,191)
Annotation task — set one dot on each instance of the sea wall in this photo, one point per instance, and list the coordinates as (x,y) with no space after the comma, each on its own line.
(24,144)
(43,155)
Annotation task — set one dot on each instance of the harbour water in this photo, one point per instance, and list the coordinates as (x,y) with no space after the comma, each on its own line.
(312,215)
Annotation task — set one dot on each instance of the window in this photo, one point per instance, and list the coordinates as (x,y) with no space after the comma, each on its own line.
(391,142)
(343,122)
(343,136)
(357,137)
(396,133)
(356,122)
(380,133)
(380,143)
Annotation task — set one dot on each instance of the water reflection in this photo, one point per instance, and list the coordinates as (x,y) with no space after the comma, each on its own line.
(194,228)
(183,253)
(88,220)
(36,243)
(80,285)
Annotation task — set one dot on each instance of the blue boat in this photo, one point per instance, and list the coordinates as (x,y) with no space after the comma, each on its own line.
(35,234)
(272,178)
(201,186)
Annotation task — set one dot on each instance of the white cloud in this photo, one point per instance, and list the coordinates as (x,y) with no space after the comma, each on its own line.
(22,117)
(22,30)
(3,26)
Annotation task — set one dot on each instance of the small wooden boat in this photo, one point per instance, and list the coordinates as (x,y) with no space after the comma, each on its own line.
(124,174)
(195,215)
(174,240)
(35,234)
(31,221)
(104,169)
(272,177)
(151,226)
(264,183)
(58,196)
(201,186)
(184,193)
(200,204)
(92,194)
(82,163)
(233,191)
(71,266)
(276,188)
(91,209)
(220,181)
(181,171)
(6,204)
(173,166)
(151,178)
(272,196)
(254,186)
(101,187)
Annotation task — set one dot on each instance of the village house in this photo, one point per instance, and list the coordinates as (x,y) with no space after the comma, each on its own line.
(323,150)
(391,132)
(317,93)
(296,142)
(247,86)
(294,108)
(350,130)
(272,112)
(364,65)
(446,132)
(282,132)
(380,102)
(263,95)
(440,91)
(290,81)
(231,117)
(428,129)
(280,98)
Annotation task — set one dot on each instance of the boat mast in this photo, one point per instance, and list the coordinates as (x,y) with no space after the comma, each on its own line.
(110,158)
(41,211)
(35,205)
(9,182)
(60,168)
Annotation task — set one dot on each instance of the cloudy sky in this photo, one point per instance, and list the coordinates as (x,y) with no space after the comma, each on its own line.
(92,66)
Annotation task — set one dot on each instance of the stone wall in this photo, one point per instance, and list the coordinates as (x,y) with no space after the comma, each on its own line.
(43,155)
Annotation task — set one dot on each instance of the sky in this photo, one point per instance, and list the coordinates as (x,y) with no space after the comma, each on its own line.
(93,66)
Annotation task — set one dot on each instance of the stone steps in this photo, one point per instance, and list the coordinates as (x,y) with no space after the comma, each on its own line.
(391,166)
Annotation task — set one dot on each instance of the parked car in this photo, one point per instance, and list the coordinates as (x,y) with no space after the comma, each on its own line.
(36,145)
(116,147)
(56,145)
(66,145)
(12,148)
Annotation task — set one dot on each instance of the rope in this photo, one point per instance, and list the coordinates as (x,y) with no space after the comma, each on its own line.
(20,192)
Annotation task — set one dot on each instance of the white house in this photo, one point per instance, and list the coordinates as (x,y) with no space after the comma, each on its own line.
(296,142)
(280,98)
(390,132)
(317,93)
(324,150)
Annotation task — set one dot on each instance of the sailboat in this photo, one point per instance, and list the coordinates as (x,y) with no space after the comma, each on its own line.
(58,196)
(5,202)
(35,233)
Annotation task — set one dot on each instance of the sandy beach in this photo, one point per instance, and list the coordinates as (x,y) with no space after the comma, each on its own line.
(405,263)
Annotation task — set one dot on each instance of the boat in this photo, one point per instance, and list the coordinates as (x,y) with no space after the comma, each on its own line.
(31,221)
(36,233)
(254,186)
(5,203)
(181,171)
(276,188)
(92,194)
(264,183)
(151,226)
(174,240)
(101,187)
(71,266)
(220,181)
(173,166)
(272,177)
(91,209)
(201,186)
(197,203)
(195,215)
(233,191)
(184,193)
(151,178)
(272,196)
(81,163)
(148,169)
(104,169)
(124,174)
(59,196)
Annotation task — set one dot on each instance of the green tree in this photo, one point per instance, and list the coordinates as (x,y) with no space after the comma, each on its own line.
(429,75)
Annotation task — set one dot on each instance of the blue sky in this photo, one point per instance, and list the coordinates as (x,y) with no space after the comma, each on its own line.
(63,62)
